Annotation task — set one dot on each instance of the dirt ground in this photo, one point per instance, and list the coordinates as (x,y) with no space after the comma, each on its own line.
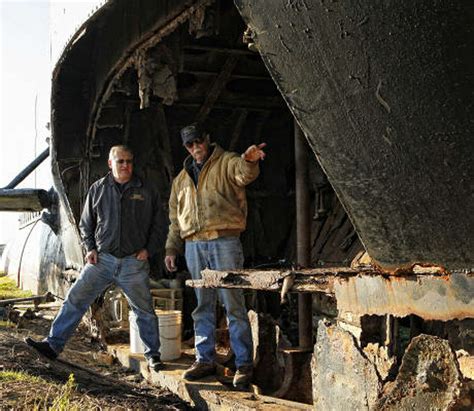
(98,385)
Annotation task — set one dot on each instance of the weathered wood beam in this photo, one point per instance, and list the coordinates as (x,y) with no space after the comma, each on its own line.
(233,75)
(307,280)
(216,88)
(128,117)
(224,50)
(239,125)
(165,143)
(231,103)
(259,128)
(427,292)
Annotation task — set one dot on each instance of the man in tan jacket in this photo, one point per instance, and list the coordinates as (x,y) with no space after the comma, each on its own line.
(208,211)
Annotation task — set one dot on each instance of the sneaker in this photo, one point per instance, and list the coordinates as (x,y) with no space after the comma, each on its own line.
(243,376)
(42,347)
(154,362)
(199,370)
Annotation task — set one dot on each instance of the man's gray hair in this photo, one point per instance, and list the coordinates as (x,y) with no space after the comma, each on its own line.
(113,151)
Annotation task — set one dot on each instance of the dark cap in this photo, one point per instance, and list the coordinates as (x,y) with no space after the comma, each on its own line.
(191,133)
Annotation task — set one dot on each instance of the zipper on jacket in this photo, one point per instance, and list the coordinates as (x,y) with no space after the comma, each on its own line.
(197,185)
(201,174)
(195,188)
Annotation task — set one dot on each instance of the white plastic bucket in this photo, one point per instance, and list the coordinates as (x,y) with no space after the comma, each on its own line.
(169,324)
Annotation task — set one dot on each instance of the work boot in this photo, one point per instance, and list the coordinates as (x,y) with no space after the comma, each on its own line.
(243,377)
(42,347)
(154,362)
(199,370)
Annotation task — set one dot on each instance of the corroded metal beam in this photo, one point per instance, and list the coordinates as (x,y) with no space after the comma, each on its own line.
(24,199)
(444,298)
(428,294)
(36,299)
(303,233)
(28,170)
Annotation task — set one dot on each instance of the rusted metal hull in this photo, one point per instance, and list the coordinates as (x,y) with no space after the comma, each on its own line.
(383,92)
(35,259)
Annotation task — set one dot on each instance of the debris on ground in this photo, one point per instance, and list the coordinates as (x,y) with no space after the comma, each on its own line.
(84,377)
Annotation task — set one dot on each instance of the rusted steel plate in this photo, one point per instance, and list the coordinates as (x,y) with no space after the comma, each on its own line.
(431,297)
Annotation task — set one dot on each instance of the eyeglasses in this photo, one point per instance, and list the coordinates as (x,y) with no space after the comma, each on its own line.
(190,144)
(124,161)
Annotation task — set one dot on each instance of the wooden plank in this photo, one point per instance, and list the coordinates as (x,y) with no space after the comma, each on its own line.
(209,394)
(428,292)
(239,125)
(216,88)
(165,143)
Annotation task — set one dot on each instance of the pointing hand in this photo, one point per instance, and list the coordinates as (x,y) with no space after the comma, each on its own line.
(254,153)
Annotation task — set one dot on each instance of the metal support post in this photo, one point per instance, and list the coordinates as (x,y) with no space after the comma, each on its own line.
(303,235)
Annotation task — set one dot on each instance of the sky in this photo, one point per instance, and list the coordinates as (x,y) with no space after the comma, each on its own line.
(24,96)
(33,34)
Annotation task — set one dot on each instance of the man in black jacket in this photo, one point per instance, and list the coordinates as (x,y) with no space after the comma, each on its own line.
(121,226)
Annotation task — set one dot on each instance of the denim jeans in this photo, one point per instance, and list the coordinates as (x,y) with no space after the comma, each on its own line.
(129,274)
(219,254)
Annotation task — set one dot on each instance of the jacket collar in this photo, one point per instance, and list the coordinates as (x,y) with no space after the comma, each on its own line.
(134,182)
(216,149)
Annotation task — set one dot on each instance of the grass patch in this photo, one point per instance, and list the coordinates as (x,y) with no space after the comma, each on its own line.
(8,289)
(64,401)
(9,376)
(21,390)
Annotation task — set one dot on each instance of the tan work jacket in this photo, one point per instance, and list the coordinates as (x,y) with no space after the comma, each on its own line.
(216,207)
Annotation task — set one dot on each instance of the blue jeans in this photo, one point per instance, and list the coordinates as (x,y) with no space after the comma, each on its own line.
(219,254)
(129,274)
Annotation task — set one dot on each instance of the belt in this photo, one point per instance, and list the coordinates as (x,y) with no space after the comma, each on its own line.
(212,235)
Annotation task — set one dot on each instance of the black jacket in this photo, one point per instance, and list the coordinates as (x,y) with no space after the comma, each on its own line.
(122,223)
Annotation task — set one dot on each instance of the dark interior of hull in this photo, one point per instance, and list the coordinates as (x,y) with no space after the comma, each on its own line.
(137,81)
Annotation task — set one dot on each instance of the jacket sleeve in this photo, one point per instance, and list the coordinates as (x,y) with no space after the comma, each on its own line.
(240,171)
(174,242)
(157,233)
(88,222)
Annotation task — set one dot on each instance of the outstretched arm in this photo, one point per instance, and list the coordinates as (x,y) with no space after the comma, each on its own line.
(244,169)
